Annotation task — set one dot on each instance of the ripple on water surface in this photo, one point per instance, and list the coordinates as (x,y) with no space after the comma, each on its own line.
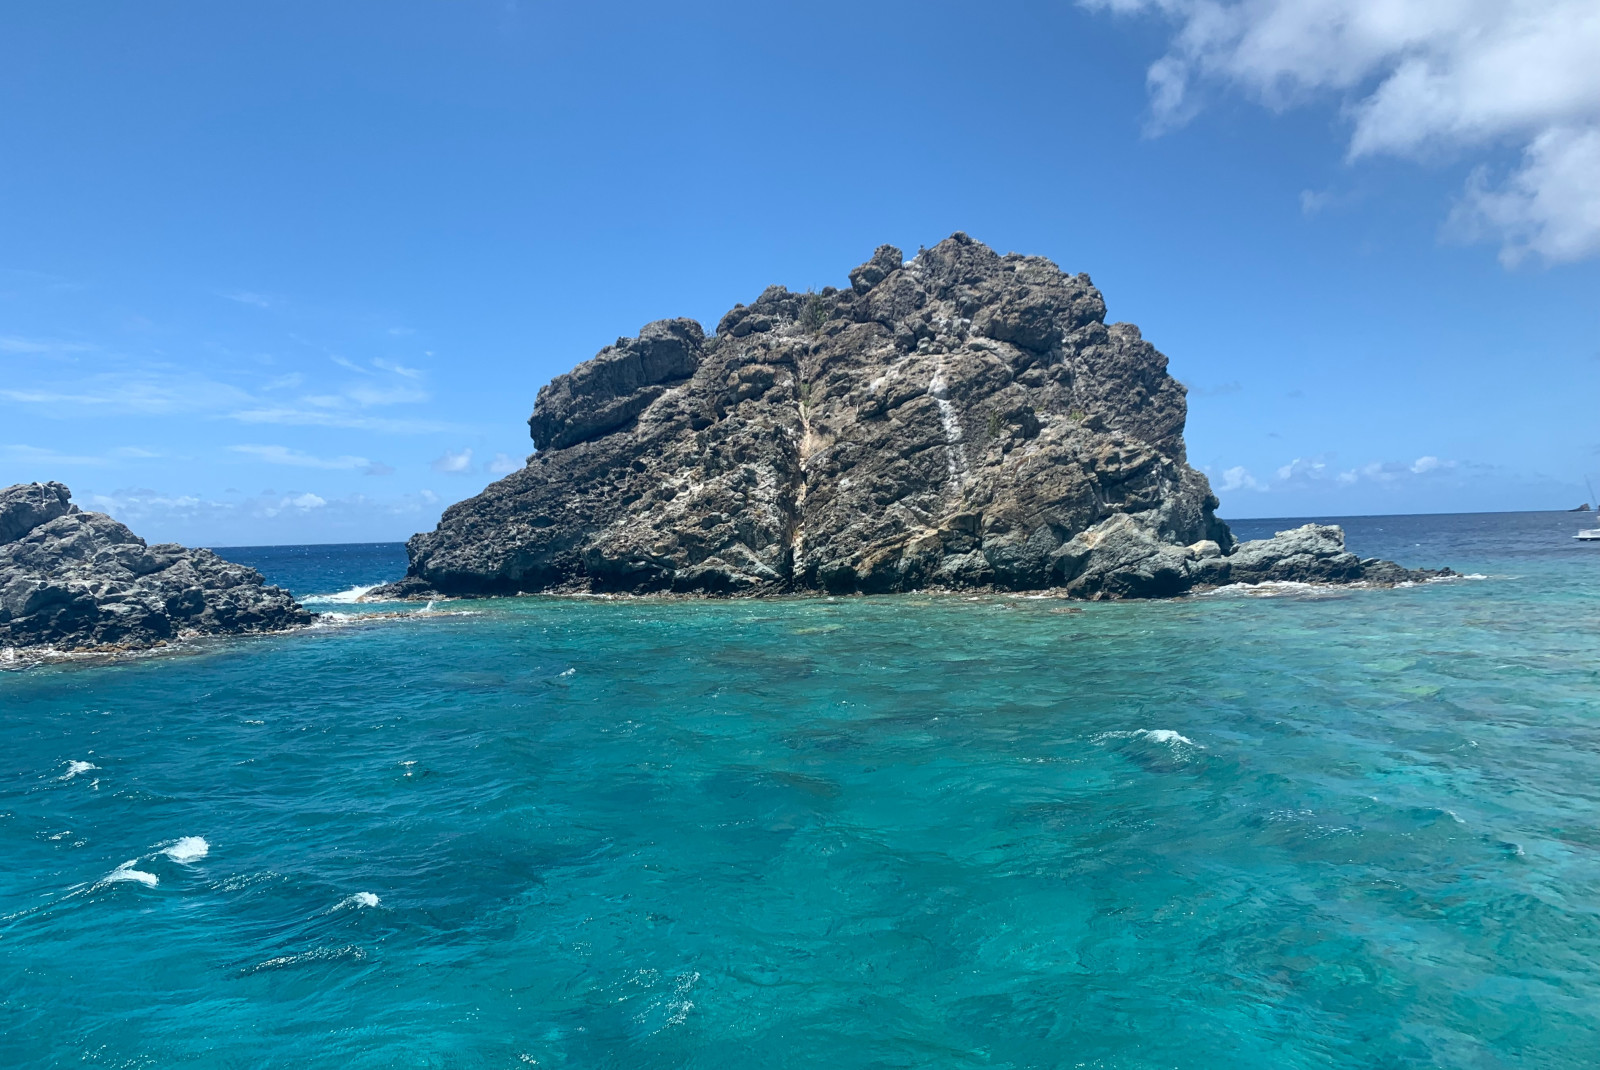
(1221,832)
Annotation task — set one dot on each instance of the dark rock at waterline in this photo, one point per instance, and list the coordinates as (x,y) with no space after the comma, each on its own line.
(960,420)
(77,580)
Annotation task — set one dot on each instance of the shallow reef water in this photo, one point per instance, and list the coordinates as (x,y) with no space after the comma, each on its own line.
(1247,829)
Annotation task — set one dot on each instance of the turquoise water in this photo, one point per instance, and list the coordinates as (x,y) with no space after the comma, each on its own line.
(1351,830)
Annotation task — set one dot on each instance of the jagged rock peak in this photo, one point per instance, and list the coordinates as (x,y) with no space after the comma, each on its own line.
(962,419)
(77,580)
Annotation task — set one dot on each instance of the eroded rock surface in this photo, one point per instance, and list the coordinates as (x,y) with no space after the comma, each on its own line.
(961,420)
(77,580)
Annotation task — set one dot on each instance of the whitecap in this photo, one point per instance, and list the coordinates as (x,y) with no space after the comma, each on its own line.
(1154,735)
(569,672)
(188,849)
(1165,735)
(75,768)
(126,872)
(343,598)
(357,901)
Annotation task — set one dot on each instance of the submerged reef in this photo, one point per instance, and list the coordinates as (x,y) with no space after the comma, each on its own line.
(80,581)
(961,420)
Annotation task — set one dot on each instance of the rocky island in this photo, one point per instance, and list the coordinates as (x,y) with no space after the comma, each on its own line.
(959,420)
(79,581)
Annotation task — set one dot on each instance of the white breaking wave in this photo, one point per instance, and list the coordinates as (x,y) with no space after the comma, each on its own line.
(126,872)
(349,597)
(188,849)
(357,901)
(75,768)
(1154,735)
(1165,735)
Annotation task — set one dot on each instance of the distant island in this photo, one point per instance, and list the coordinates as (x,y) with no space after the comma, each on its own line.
(961,420)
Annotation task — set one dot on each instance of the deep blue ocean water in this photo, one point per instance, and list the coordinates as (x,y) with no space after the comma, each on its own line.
(1321,829)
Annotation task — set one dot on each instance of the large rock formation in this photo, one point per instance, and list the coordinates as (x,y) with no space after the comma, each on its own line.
(960,420)
(76,580)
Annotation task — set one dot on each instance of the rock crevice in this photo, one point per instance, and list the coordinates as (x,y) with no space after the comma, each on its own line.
(961,419)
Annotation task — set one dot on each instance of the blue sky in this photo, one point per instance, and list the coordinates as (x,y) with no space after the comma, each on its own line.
(295,272)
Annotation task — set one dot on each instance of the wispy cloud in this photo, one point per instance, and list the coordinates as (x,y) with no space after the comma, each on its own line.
(271,517)
(299,459)
(292,417)
(256,300)
(41,346)
(398,369)
(42,455)
(151,392)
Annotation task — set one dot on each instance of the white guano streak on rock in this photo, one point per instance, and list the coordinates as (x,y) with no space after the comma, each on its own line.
(955,451)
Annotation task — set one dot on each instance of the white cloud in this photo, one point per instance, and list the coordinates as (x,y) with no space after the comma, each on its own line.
(454,463)
(298,459)
(1394,471)
(1419,77)
(1305,472)
(1239,478)
(1300,469)
(503,464)
(1551,207)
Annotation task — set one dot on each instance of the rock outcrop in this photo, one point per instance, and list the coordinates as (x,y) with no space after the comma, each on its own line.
(959,420)
(80,581)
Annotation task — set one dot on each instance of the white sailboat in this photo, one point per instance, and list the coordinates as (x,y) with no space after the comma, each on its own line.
(1589,534)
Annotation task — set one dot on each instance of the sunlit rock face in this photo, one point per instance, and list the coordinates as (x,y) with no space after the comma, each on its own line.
(961,419)
(76,580)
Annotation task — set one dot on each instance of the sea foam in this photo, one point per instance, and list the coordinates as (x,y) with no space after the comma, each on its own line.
(76,768)
(126,872)
(348,597)
(188,849)
(1154,735)
(356,902)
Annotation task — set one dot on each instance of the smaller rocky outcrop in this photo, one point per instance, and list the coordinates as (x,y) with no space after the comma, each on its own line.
(80,581)
(1118,558)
